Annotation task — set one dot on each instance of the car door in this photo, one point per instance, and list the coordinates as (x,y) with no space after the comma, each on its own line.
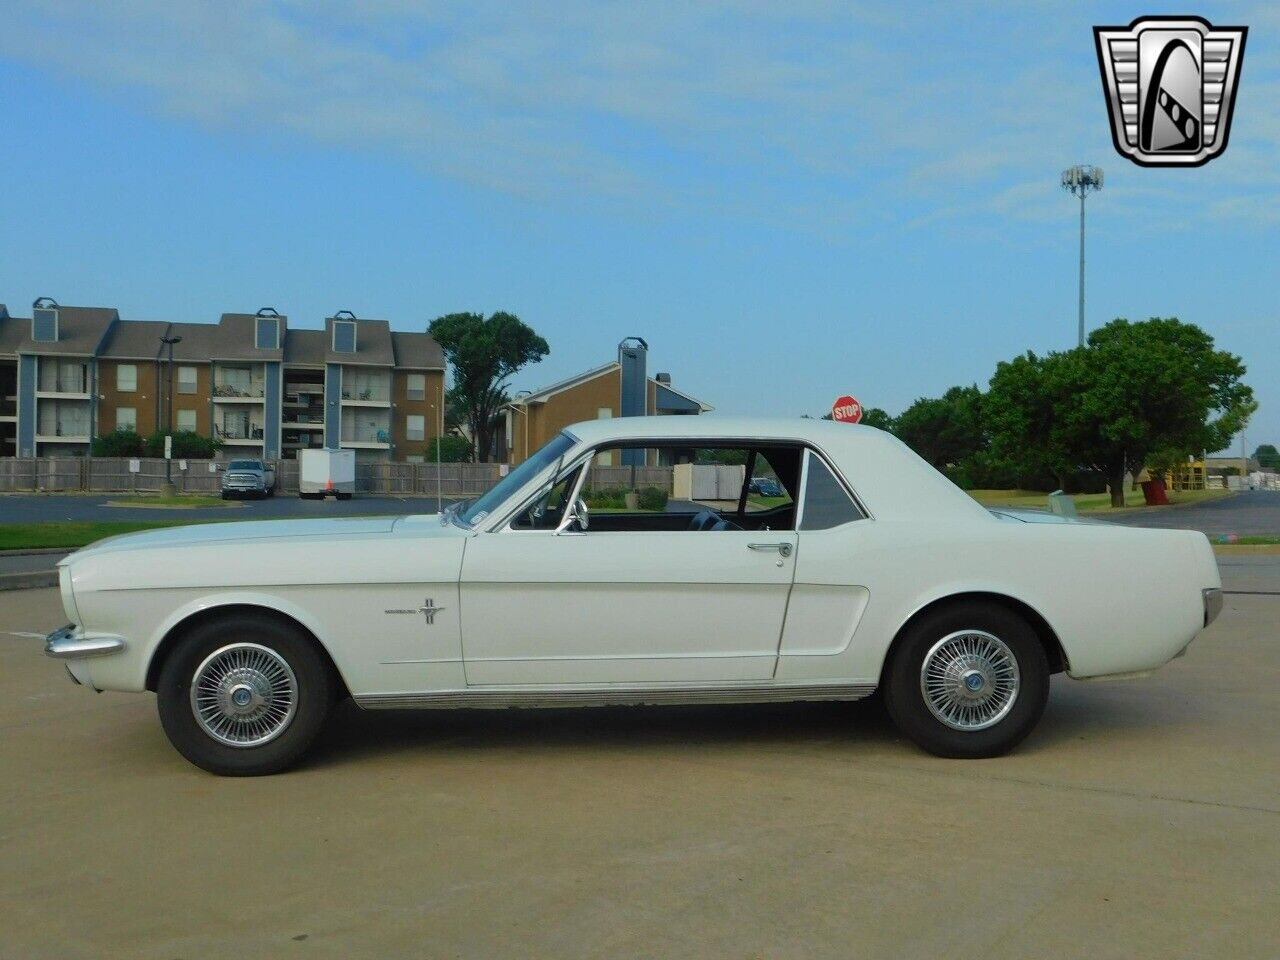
(564,606)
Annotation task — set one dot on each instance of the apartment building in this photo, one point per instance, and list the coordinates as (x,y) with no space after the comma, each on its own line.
(68,374)
(621,388)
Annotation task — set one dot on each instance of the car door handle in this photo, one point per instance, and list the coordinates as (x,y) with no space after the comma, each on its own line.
(783,548)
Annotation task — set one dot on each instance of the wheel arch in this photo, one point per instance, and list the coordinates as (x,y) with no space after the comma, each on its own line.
(1048,637)
(207,613)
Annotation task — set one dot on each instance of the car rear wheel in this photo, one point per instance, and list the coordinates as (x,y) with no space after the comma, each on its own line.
(244,695)
(968,680)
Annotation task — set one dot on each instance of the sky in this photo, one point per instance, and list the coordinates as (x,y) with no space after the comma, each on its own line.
(789,202)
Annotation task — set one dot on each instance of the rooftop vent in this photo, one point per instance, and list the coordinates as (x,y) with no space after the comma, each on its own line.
(266,332)
(663,378)
(44,320)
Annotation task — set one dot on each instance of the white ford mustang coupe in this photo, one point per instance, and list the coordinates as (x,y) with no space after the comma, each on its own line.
(636,561)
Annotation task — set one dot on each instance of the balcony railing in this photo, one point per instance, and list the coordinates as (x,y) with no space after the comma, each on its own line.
(65,385)
(376,394)
(366,436)
(226,390)
(238,432)
(72,429)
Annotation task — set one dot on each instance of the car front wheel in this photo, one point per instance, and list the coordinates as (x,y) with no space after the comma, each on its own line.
(243,695)
(968,680)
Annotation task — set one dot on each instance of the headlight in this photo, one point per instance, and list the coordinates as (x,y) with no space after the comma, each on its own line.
(68,596)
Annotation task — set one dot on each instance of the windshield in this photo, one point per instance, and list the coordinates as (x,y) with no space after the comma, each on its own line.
(516,479)
(244,465)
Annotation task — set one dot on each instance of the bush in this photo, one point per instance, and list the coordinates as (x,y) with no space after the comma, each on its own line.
(187,445)
(652,498)
(453,449)
(118,443)
(605,499)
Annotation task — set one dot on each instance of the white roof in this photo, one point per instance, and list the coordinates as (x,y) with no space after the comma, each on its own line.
(887,475)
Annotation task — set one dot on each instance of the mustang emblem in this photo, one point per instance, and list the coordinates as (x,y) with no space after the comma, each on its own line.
(428,609)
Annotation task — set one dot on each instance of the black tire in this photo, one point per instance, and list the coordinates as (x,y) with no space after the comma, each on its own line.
(906,701)
(225,495)
(314,694)
(343,496)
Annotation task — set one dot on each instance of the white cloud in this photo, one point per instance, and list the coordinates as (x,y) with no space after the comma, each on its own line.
(820,110)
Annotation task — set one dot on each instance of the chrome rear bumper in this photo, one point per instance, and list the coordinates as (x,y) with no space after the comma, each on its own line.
(1212,603)
(67,643)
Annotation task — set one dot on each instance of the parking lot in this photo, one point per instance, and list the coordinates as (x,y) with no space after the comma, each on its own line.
(1141,819)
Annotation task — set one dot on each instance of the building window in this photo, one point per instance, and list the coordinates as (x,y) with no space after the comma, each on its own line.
(268,333)
(126,418)
(344,336)
(416,386)
(415,458)
(126,377)
(415,427)
(186,379)
(186,420)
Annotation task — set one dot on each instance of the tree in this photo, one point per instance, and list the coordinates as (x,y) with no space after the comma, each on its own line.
(118,443)
(187,445)
(453,449)
(1267,456)
(484,354)
(1157,387)
(944,430)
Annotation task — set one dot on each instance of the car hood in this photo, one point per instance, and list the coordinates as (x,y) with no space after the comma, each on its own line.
(250,531)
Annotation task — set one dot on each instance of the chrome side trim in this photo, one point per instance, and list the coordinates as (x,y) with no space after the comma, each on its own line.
(66,644)
(612,696)
(1212,597)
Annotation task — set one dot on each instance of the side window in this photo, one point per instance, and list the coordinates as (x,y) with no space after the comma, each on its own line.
(765,491)
(826,503)
(546,512)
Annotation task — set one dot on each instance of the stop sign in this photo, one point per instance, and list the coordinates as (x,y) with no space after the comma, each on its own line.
(846,410)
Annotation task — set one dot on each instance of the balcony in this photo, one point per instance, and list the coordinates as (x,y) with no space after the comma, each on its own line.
(73,431)
(360,388)
(230,393)
(239,434)
(8,408)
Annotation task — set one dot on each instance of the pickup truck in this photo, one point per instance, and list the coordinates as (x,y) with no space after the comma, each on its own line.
(243,477)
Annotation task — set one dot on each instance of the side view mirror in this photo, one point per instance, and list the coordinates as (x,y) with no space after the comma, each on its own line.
(581,515)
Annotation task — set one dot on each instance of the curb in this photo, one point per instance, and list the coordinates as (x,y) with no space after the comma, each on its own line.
(29,581)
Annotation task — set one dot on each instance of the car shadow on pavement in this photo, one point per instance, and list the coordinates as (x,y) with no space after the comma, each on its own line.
(353,734)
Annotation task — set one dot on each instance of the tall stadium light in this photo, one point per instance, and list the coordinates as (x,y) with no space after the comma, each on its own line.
(1079,181)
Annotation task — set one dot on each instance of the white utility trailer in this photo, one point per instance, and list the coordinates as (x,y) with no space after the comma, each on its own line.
(323,472)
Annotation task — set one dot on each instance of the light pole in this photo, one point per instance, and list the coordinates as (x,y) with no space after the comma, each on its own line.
(1079,181)
(168,460)
(524,412)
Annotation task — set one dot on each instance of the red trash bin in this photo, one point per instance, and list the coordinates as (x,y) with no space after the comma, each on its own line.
(1153,492)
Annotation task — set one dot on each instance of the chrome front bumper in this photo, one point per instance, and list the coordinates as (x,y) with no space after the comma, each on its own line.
(68,643)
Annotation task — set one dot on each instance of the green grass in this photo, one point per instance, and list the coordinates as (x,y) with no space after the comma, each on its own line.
(73,533)
(181,500)
(767,502)
(1039,500)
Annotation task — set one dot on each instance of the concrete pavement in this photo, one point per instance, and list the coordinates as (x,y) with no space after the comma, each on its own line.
(1142,819)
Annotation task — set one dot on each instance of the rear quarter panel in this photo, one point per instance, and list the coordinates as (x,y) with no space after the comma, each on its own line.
(1120,599)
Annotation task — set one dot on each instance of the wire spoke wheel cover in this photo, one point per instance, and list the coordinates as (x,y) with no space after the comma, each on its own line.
(970,680)
(244,695)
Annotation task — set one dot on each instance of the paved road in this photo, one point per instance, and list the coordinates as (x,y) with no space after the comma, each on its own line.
(1141,819)
(1250,513)
(20,508)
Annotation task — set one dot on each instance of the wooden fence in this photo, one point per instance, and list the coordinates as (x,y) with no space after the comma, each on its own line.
(147,475)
